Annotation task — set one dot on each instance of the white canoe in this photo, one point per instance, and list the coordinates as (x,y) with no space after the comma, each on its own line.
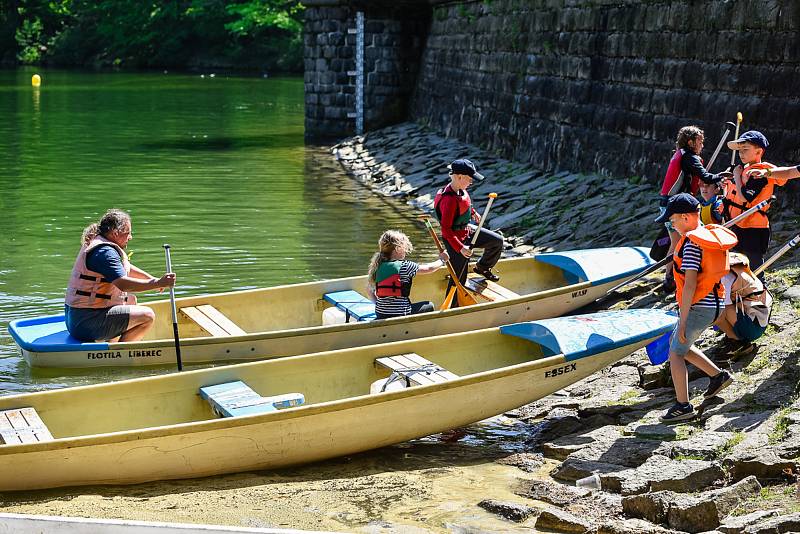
(288,320)
(159,427)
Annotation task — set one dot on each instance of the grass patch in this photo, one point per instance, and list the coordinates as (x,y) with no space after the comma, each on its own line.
(626,399)
(726,448)
(759,363)
(781,429)
(683,432)
(681,457)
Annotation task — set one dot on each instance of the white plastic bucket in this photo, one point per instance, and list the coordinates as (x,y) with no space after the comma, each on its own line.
(333,315)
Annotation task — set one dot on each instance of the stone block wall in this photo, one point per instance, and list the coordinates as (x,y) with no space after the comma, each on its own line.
(604,85)
(393,41)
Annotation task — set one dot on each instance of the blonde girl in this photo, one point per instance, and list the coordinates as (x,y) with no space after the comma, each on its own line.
(390,276)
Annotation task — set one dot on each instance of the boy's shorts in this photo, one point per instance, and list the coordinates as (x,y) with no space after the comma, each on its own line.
(746,328)
(699,319)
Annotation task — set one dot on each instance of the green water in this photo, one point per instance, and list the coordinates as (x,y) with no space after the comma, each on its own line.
(216,167)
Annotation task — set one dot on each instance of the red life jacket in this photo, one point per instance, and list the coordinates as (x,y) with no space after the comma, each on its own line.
(715,241)
(735,203)
(461,220)
(388,283)
(88,289)
(691,184)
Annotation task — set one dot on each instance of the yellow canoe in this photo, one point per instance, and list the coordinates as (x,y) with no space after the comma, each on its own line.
(288,320)
(161,427)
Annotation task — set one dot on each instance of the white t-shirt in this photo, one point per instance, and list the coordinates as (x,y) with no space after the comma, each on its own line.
(727,283)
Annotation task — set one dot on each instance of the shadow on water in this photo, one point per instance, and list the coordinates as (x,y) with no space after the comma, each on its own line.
(202,143)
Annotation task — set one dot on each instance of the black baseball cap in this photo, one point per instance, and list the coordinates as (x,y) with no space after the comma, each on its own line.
(753,137)
(465,166)
(680,203)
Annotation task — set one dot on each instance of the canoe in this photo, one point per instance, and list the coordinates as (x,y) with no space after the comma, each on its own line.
(288,320)
(162,427)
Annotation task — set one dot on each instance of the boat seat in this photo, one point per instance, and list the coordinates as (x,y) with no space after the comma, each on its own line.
(415,369)
(22,425)
(489,290)
(353,304)
(232,399)
(212,321)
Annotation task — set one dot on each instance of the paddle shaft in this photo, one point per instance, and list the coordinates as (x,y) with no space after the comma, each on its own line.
(492,196)
(739,119)
(449,265)
(783,250)
(658,265)
(174,312)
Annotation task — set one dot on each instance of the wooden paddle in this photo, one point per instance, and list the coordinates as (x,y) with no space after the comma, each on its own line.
(492,196)
(464,296)
(739,119)
(174,313)
(783,250)
(658,265)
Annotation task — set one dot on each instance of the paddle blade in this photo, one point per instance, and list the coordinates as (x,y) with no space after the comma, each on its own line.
(658,350)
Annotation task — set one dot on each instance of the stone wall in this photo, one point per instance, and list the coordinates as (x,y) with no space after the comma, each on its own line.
(394,36)
(604,85)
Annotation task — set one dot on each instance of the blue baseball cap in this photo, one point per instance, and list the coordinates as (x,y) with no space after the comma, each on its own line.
(465,166)
(752,137)
(680,203)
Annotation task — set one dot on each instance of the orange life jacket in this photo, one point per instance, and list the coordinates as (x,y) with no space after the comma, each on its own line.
(88,289)
(735,203)
(715,241)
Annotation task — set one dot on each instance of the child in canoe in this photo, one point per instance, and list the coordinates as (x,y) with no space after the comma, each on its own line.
(390,276)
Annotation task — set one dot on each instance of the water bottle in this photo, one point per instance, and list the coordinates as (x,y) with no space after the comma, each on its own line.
(591,482)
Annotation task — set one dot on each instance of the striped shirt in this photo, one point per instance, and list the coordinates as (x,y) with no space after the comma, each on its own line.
(692,257)
(398,306)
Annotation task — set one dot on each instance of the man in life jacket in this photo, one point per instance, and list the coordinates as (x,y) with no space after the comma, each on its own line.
(750,186)
(98,305)
(699,263)
(685,173)
(454,210)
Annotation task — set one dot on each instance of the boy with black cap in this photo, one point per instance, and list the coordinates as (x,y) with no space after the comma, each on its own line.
(751,185)
(454,210)
(699,263)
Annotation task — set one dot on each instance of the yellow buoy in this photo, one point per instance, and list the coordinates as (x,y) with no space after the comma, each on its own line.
(36,80)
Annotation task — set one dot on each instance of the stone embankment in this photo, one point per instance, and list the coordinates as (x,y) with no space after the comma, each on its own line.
(732,470)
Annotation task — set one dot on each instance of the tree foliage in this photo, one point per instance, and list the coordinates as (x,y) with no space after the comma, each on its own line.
(250,34)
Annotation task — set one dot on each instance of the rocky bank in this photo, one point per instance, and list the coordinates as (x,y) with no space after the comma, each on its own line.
(733,469)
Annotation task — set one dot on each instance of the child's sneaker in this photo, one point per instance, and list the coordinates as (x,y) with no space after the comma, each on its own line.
(678,412)
(718,383)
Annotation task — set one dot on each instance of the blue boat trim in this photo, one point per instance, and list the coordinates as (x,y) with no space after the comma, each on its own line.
(353,303)
(580,336)
(49,334)
(595,265)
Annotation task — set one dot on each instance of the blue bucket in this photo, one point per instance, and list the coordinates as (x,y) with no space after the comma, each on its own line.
(658,350)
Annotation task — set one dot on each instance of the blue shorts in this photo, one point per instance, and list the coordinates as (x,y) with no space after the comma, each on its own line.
(698,320)
(90,324)
(746,328)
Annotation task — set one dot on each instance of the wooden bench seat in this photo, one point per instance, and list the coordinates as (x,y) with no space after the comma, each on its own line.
(237,398)
(212,321)
(22,425)
(416,369)
(489,290)
(353,304)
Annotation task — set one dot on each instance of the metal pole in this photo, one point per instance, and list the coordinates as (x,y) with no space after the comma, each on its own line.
(359,73)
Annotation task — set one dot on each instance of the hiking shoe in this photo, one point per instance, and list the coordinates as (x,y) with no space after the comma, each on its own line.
(718,383)
(678,412)
(486,273)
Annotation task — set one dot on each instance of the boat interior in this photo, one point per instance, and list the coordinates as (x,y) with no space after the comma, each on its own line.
(298,382)
(303,305)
